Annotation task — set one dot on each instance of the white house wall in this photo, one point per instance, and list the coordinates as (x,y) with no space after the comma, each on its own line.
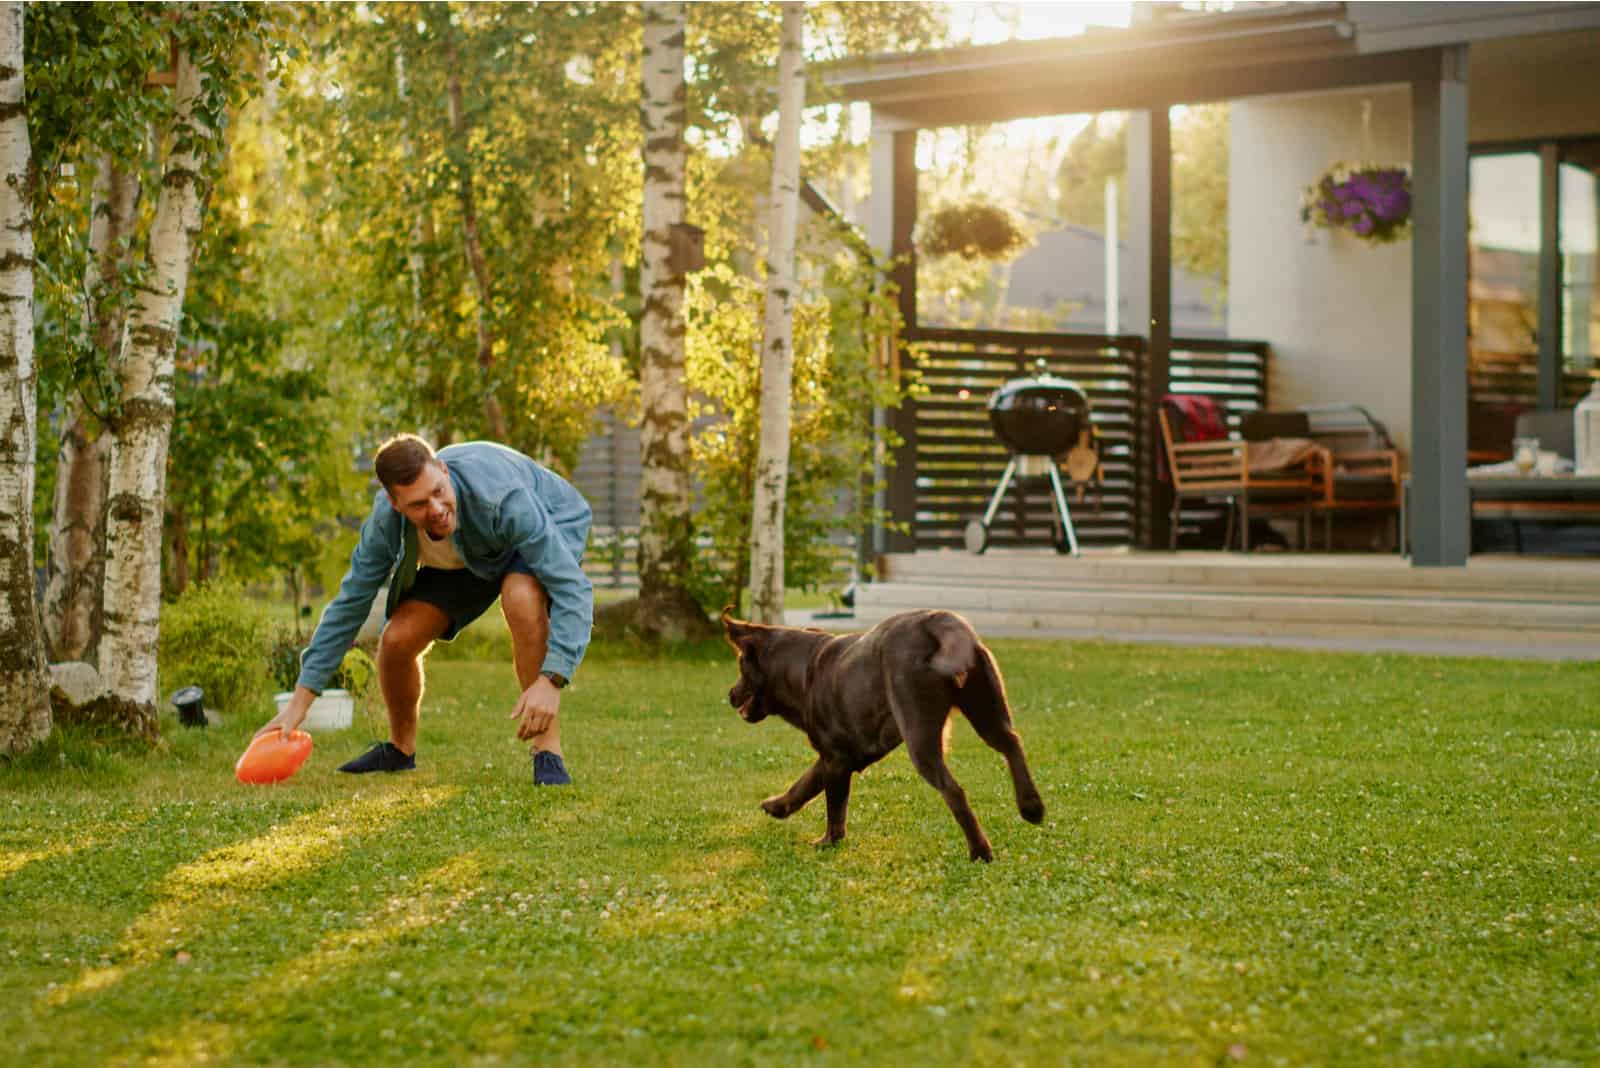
(1336,311)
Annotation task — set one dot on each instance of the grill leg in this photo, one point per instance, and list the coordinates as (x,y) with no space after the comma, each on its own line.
(999,493)
(1061,507)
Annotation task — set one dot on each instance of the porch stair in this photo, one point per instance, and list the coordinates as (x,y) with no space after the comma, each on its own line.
(1495,606)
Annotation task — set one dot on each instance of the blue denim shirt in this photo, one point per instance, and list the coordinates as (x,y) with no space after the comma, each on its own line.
(506,504)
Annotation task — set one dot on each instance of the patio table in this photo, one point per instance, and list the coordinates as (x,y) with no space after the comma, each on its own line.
(1572,498)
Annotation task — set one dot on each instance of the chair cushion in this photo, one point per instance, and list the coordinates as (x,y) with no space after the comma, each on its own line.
(1262,425)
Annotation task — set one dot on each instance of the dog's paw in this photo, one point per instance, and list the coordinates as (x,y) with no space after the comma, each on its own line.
(828,839)
(776,807)
(1032,809)
(981,851)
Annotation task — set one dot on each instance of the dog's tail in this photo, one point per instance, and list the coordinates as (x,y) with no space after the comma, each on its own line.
(981,696)
(956,652)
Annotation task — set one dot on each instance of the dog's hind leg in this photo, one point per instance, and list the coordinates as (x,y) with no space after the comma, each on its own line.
(796,797)
(983,701)
(923,731)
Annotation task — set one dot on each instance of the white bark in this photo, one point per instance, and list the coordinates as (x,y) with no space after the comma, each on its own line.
(72,591)
(416,261)
(137,491)
(472,244)
(664,539)
(24,681)
(777,348)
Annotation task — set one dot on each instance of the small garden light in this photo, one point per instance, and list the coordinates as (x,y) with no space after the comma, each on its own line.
(190,712)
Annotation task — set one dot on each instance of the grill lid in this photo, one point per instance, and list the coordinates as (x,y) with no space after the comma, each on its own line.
(1039,416)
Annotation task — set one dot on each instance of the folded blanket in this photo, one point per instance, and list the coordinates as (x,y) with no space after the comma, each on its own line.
(1277,454)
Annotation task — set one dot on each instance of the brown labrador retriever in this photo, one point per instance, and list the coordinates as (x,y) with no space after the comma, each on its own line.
(858,696)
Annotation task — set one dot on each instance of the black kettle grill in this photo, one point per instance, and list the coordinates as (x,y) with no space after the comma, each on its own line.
(1038,418)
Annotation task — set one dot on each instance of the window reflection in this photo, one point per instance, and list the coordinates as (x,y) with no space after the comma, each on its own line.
(1503,296)
(1580,234)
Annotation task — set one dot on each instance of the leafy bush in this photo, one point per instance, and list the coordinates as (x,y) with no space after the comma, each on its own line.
(356,672)
(217,638)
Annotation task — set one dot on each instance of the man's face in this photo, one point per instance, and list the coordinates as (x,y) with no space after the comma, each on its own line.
(429,502)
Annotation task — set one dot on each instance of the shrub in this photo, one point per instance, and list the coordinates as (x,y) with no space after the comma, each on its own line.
(356,671)
(217,638)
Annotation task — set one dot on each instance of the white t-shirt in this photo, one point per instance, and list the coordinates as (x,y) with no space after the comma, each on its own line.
(441,554)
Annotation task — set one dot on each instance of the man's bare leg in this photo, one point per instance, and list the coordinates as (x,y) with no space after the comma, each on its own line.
(527,610)
(413,627)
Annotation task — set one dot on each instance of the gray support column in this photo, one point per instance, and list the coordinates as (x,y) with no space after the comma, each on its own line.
(1133,273)
(1440,509)
(1550,354)
(893,218)
(1157,325)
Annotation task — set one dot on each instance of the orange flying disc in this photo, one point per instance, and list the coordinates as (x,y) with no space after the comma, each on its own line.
(272,758)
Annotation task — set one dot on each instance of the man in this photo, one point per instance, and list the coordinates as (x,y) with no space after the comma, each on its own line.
(451,533)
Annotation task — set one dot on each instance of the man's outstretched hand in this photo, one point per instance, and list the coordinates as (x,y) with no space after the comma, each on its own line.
(537,709)
(293,714)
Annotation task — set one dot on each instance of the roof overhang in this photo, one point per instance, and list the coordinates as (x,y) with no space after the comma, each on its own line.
(1295,48)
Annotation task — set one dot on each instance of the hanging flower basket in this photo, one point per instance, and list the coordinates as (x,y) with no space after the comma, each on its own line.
(1371,202)
(974,230)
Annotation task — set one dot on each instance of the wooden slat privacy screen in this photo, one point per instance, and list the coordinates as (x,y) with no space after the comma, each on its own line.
(960,461)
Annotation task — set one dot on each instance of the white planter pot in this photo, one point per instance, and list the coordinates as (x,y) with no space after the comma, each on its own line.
(332,711)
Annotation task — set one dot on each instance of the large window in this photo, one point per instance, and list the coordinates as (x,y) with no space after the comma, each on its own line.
(1534,226)
(1503,305)
(1580,234)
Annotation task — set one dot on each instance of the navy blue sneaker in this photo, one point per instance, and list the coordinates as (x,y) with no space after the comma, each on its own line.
(549,770)
(381,757)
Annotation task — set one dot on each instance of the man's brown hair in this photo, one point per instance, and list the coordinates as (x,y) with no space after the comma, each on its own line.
(400,460)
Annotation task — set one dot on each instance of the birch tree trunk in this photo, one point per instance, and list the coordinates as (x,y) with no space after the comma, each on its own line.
(473,247)
(72,598)
(666,608)
(416,260)
(24,683)
(777,348)
(137,490)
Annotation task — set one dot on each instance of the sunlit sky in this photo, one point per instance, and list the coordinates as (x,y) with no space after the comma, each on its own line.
(990,23)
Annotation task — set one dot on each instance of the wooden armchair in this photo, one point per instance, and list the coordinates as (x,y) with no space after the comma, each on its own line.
(1358,470)
(1222,470)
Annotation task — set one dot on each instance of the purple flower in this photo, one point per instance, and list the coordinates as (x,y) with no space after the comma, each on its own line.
(1363,226)
(1352,207)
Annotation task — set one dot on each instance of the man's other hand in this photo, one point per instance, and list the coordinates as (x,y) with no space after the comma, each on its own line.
(537,709)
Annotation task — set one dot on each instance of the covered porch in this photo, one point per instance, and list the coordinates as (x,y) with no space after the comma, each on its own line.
(1417,56)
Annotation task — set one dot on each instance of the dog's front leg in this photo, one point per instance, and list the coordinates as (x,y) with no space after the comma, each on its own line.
(795,797)
(838,790)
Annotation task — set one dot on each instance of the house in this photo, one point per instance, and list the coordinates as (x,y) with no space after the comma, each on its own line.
(1498,98)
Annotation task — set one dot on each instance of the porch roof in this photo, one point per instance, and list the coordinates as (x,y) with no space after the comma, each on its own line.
(1298,47)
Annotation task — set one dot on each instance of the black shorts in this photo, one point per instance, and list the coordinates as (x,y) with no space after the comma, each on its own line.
(459,593)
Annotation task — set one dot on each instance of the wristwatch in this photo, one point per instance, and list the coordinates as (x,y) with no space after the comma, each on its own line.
(557,680)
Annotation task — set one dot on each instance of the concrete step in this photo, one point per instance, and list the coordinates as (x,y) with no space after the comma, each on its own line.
(1181,609)
(1533,644)
(1483,579)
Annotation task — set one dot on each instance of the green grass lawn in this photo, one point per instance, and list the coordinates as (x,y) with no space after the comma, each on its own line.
(1274,857)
